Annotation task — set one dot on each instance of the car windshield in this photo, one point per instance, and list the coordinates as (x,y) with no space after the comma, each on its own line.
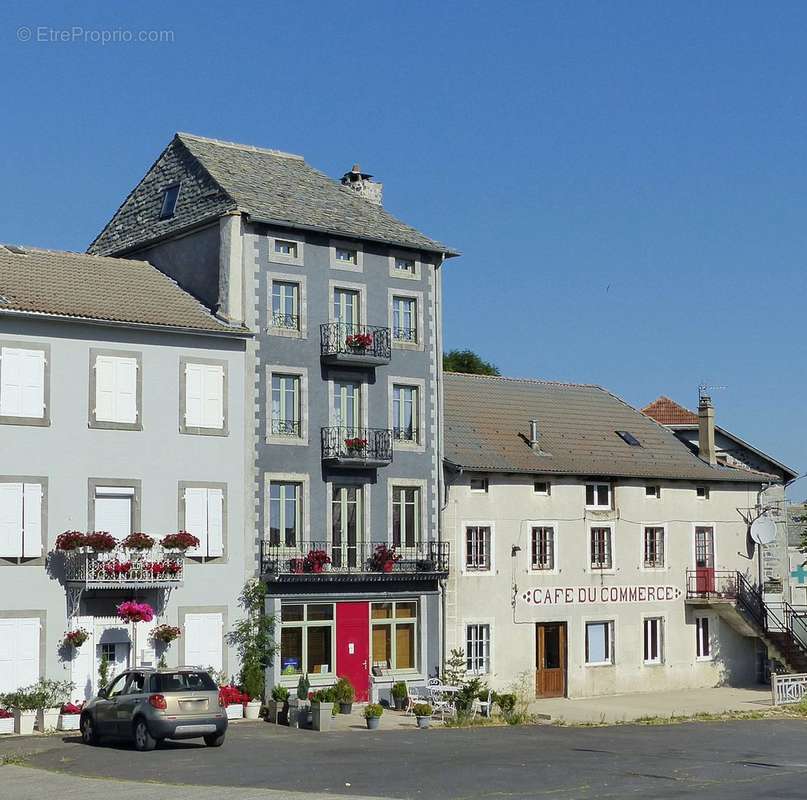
(182,682)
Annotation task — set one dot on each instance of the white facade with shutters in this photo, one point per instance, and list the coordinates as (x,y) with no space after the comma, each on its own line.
(118,429)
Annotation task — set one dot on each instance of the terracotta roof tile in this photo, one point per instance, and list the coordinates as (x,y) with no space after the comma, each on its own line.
(668,412)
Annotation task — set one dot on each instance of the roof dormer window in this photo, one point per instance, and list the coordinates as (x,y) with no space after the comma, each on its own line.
(170,197)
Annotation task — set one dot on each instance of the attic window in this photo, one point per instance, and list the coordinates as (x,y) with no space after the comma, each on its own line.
(628,438)
(170,196)
(286,248)
(345,255)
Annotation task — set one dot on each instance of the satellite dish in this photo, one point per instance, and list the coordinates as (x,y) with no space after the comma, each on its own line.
(763,530)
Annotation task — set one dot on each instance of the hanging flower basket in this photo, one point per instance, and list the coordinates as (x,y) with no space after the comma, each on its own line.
(131,611)
(76,638)
(138,541)
(355,445)
(165,634)
(100,541)
(179,541)
(70,540)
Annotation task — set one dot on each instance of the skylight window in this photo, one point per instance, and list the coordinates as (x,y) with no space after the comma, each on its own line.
(170,196)
(628,438)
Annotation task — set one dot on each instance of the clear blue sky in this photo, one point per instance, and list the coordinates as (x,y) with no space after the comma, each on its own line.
(626,180)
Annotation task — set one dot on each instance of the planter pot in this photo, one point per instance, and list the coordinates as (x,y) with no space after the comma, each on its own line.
(68,722)
(252,710)
(399,703)
(235,711)
(24,722)
(345,708)
(388,566)
(296,713)
(7,725)
(273,710)
(47,719)
(372,722)
(322,716)
(424,722)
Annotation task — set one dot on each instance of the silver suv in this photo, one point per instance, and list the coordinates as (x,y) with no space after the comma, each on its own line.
(149,705)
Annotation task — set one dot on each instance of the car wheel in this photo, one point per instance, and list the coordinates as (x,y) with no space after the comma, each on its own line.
(214,740)
(88,733)
(143,740)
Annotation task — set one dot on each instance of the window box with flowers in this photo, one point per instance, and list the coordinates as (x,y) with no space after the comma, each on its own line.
(359,341)
(71,540)
(383,558)
(100,541)
(355,446)
(69,716)
(6,721)
(138,542)
(181,541)
(233,700)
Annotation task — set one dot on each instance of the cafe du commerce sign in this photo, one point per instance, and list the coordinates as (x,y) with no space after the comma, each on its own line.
(558,596)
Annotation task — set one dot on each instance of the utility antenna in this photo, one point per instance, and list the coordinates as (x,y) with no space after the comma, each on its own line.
(704,389)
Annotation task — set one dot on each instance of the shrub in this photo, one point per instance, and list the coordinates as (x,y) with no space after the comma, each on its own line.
(422,710)
(138,541)
(303,685)
(179,541)
(398,690)
(345,692)
(506,702)
(280,694)
(70,540)
(373,710)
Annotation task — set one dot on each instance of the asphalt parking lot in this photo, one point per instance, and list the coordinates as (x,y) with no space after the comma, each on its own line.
(737,760)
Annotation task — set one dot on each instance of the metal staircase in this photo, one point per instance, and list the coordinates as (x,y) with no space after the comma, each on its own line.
(782,627)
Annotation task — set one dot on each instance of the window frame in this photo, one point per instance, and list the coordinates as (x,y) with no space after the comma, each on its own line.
(706,493)
(472,661)
(301,331)
(44,347)
(93,422)
(610,642)
(535,525)
(547,492)
(123,483)
(647,621)
(196,430)
(301,374)
(305,624)
(418,443)
(356,247)
(596,506)
(281,258)
(394,272)
(652,492)
(418,510)
(164,214)
(704,653)
(182,519)
(393,622)
(485,485)
(23,560)
(655,526)
(419,311)
(490,569)
(609,549)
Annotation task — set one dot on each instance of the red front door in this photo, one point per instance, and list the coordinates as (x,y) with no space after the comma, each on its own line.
(704,560)
(353,646)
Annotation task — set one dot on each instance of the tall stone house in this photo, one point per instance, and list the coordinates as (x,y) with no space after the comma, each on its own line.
(344,450)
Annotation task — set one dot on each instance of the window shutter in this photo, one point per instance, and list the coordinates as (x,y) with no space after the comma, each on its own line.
(11,520)
(196,518)
(32,371)
(114,514)
(126,389)
(104,389)
(19,653)
(10,382)
(32,520)
(203,636)
(82,667)
(213,409)
(215,522)
(193,395)
(8,668)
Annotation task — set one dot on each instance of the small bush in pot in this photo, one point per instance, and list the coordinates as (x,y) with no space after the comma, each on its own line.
(345,695)
(100,541)
(423,714)
(51,696)
(372,715)
(323,708)
(399,694)
(277,707)
(303,687)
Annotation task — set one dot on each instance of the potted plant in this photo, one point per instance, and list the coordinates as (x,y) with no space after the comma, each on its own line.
(69,716)
(345,695)
(100,541)
(355,445)
(322,709)
(359,341)
(138,542)
(298,704)
(51,695)
(277,707)
(6,721)
(423,714)
(316,561)
(297,566)
(384,558)
(233,699)
(165,634)
(399,694)
(24,704)
(75,638)
(372,714)
(70,540)
(181,541)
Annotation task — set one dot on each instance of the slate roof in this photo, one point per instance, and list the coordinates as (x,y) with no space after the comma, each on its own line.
(88,287)
(487,430)
(267,185)
(668,412)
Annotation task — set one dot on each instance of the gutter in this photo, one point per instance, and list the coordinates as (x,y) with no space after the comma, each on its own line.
(227,334)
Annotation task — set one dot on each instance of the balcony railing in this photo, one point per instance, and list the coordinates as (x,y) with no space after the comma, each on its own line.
(327,561)
(289,322)
(121,568)
(357,447)
(345,343)
(710,584)
(285,427)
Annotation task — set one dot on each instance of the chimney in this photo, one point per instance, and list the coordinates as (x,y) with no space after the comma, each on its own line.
(534,435)
(706,430)
(363,183)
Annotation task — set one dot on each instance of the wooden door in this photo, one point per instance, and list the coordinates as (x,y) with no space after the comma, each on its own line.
(550,659)
(353,646)
(704,560)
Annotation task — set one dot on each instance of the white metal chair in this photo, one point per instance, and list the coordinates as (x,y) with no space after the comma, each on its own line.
(483,706)
(413,697)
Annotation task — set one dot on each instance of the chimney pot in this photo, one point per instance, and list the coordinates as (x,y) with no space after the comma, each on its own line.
(706,430)
(363,184)
(534,434)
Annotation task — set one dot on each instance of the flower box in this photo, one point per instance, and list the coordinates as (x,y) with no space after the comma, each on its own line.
(235,711)
(252,709)
(68,722)
(6,723)
(47,719)
(24,722)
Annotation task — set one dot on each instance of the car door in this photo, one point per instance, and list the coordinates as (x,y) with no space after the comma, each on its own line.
(105,707)
(127,701)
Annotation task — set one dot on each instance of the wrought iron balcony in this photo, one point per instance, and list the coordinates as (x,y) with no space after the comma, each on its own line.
(361,345)
(371,561)
(289,322)
(124,569)
(365,448)
(285,427)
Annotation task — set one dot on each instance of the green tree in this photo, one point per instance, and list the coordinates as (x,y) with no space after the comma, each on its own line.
(467,361)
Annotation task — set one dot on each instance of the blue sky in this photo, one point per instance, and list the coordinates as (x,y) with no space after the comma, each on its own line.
(626,181)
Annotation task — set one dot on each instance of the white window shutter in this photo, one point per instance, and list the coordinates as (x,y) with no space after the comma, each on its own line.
(82,666)
(196,518)
(11,520)
(126,389)
(213,408)
(113,514)
(203,638)
(10,382)
(193,395)
(8,653)
(215,522)
(105,389)
(27,651)
(32,520)
(32,373)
